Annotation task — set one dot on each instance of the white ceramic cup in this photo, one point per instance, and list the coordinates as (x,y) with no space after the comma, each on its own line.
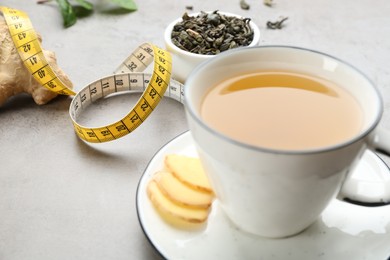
(276,193)
(183,62)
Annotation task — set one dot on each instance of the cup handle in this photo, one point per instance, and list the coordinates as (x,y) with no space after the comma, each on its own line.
(369,183)
(381,141)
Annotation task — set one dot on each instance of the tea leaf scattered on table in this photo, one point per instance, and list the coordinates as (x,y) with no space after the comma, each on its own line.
(276,25)
(268,3)
(244,5)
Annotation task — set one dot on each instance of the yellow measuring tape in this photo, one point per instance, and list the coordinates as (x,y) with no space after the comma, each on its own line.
(126,78)
(30,51)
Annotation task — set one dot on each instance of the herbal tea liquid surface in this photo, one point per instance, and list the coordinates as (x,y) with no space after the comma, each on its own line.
(282,110)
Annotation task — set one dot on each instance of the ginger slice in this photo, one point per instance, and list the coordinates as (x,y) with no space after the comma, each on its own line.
(181,193)
(188,170)
(172,212)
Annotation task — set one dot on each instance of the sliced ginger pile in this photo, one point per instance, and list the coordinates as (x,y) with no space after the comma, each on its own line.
(15,78)
(181,193)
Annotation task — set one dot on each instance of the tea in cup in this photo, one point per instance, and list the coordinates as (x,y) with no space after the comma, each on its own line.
(278,130)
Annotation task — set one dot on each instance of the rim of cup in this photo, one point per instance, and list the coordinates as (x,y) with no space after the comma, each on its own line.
(169,28)
(364,132)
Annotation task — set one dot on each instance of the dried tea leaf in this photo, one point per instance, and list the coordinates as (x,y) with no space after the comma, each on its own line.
(244,5)
(277,24)
(211,33)
(268,3)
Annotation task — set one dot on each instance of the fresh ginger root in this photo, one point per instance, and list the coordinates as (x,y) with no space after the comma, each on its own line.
(14,76)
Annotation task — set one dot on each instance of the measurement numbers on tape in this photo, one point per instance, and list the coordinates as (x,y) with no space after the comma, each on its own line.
(127,77)
(30,51)
(152,85)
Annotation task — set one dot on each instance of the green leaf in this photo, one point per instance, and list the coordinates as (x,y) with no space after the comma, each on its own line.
(67,12)
(82,12)
(127,4)
(87,5)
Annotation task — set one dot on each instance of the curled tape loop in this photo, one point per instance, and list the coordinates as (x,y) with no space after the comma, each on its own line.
(127,77)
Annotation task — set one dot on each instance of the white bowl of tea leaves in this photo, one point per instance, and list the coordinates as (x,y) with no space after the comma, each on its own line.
(196,37)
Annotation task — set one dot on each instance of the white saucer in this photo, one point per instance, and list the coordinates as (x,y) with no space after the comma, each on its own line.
(344,231)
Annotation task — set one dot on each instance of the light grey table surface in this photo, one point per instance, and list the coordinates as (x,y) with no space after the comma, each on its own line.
(61,198)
